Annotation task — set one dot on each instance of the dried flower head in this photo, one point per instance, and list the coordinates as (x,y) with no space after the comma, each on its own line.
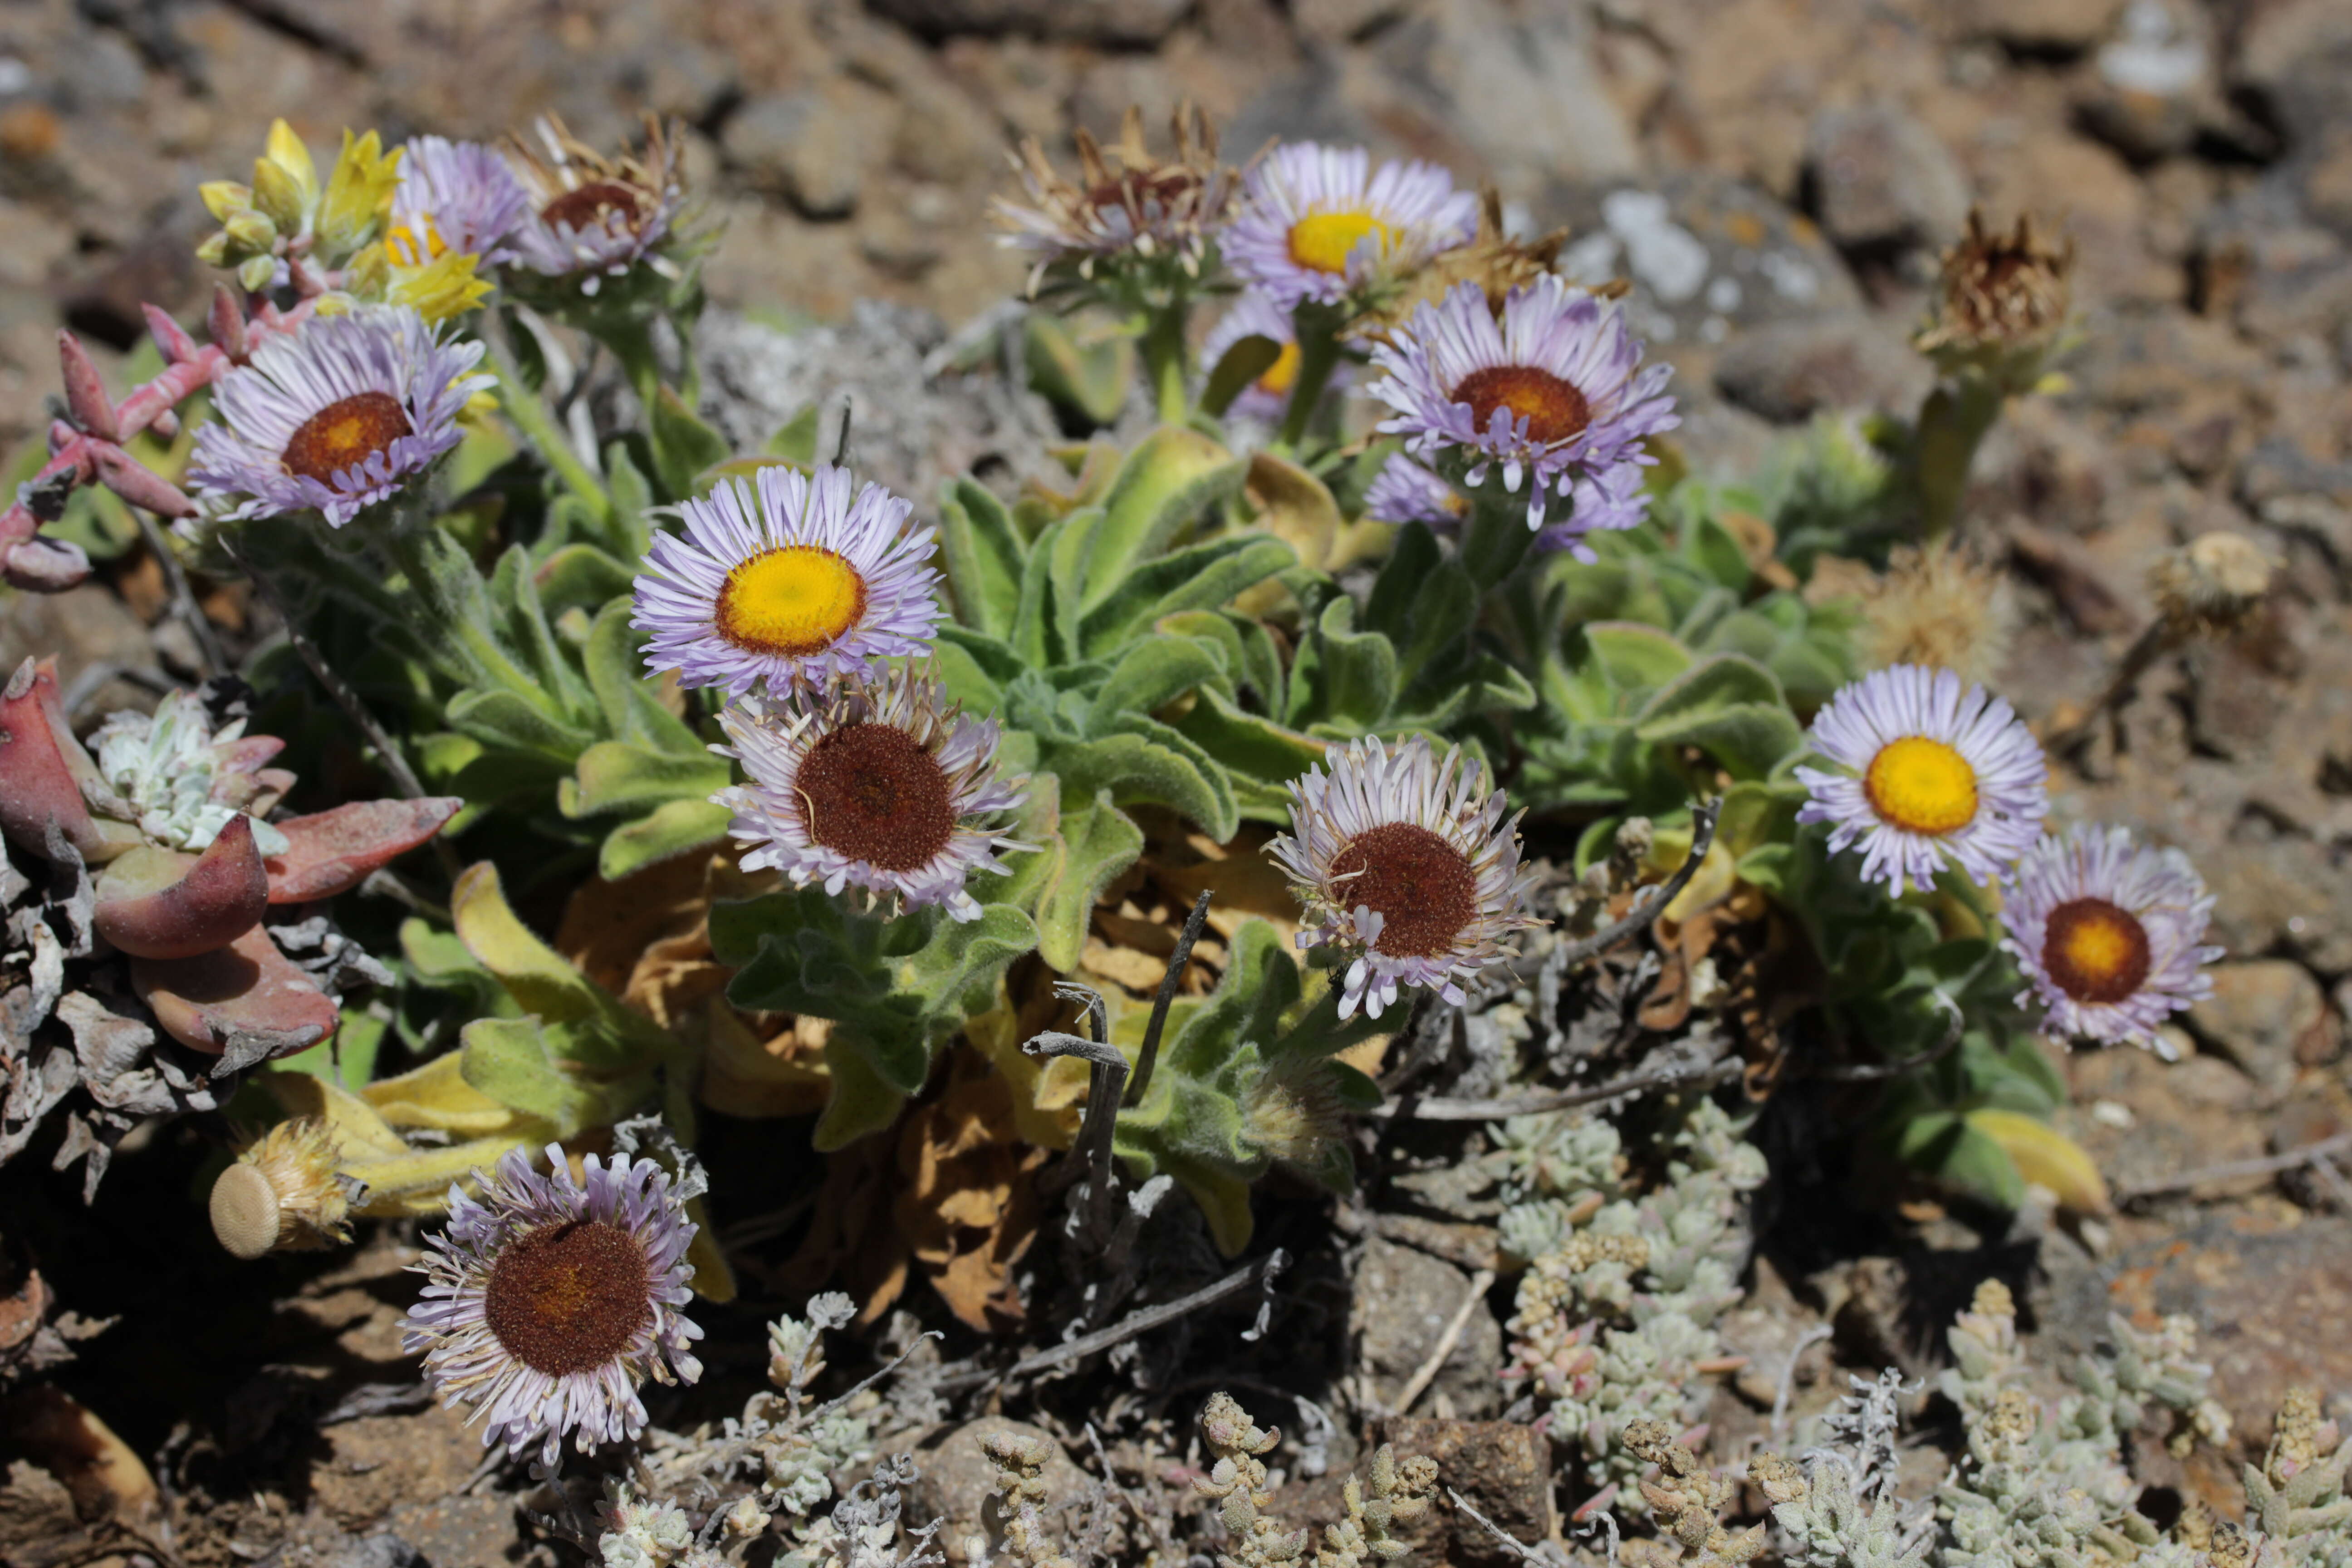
(1551,392)
(1936,606)
(1492,259)
(283,1193)
(335,418)
(1929,771)
(590,216)
(1125,202)
(871,783)
(1404,862)
(2001,290)
(2210,585)
(2108,933)
(549,1301)
(786,579)
(1321,224)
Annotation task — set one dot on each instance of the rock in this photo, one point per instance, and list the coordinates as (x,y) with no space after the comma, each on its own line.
(1404,1299)
(907,431)
(816,147)
(2267,1300)
(957,1480)
(2038,26)
(2154,85)
(2296,55)
(1515,87)
(83,626)
(1881,181)
(1114,22)
(1705,255)
(2271,1016)
(1501,1467)
(1343,21)
(1793,370)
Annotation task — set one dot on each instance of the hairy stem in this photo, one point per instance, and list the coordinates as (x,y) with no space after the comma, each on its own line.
(529,414)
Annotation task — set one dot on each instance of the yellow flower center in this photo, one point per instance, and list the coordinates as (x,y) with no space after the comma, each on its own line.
(1323,241)
(414,245)
(2095,951)
(795,599)
(1282,373)
(344,433)
(1921,787)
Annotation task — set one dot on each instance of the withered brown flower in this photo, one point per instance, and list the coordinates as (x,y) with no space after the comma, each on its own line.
(2001,290)
(1125,201)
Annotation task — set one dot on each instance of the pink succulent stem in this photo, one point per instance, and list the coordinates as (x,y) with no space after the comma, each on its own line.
(89,448)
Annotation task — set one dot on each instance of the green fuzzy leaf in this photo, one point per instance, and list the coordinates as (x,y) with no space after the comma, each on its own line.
(514,585)
(624,693)
(1262,756)
(1094,844)
(1729,707)
(1342,677)
(1198,577)
(683,446)
(614,776)
(500,718)
(1709,546)
(677,828)
(1260,983)
(633,498)
(1942,1145)
(1035,619)
(542,981)
(984,555)
(795,439)
(861,1102)
(1632,657)
(1091,379)
(507,1059)
(1152,674)
(583,575)
(1249,358)
(1151,763)
(1169,480)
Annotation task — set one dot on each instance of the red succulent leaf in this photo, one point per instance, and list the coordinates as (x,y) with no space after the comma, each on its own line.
(42,766)
(246,755)
(332,851)
(248,987)
(159,903)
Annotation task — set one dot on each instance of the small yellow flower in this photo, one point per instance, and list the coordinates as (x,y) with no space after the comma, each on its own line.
(359,195)
(445,287)
(285,181)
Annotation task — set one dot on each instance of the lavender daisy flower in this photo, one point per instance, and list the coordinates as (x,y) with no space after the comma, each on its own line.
(871,785)
(1317,223)
(2108,931)
(1614,498)
(1254,315)
(453,196)
(334,417)
(1404,492)
(1405,863)
(1554,392)
(786,579)
(1929,771)
(550,1301)
(591,216)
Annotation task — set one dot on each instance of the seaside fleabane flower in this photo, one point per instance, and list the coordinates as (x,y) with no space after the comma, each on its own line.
(1253,314)
(2108,932)
(588,216)
(1403,863)
(334,417)
(786,578)
(1319,223)
(1553,394)
(1929,771)
(1404,492)
(454,196)
(1125,201)
(872,785)
(549,1301)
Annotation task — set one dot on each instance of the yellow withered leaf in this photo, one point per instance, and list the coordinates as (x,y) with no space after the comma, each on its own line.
(2045,1157)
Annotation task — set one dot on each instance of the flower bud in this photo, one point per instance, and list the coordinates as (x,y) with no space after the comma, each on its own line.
(2210,585)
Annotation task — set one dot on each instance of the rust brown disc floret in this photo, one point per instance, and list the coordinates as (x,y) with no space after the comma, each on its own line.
(585,207)
(2095,951)
(569,1297)
(1554,409)
(1424,890)
(873,794)
(343,434)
